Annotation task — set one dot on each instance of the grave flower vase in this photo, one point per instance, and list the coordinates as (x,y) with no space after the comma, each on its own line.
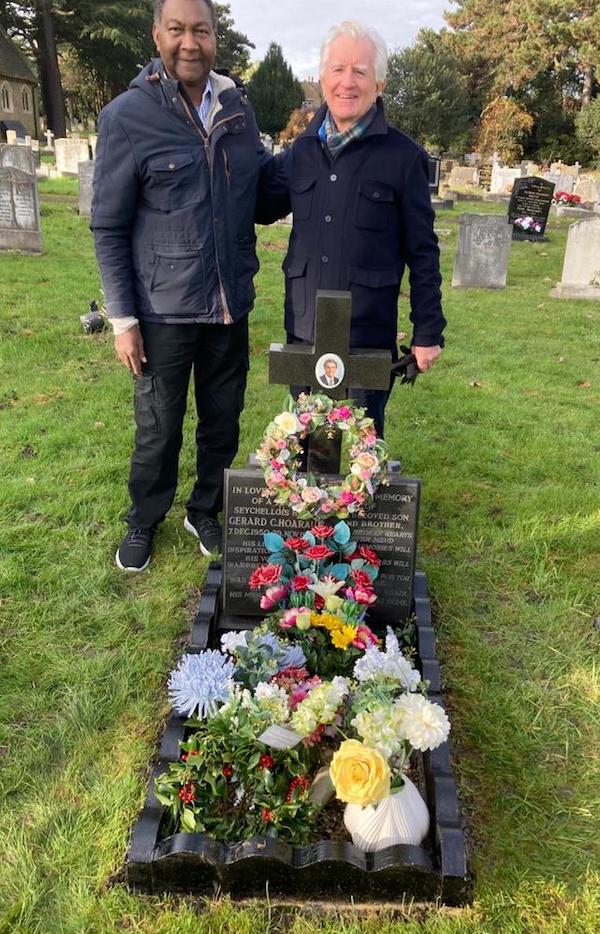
(403,818)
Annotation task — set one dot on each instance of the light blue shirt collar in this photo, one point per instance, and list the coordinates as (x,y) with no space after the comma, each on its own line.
(206,102)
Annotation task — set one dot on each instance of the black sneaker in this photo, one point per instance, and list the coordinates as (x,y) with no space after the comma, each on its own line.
(208,532)
(135,550)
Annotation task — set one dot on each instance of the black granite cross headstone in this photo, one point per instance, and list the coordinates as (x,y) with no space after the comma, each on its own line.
(329,367)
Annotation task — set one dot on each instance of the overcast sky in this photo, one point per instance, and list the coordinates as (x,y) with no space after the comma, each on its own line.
(300,25)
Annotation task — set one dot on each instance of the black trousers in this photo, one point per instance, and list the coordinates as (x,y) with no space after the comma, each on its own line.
(218,355)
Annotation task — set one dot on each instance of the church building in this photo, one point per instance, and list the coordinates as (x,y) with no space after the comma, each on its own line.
(18,86)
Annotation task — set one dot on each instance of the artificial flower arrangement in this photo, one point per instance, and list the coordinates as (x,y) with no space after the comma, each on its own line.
(307,708)
(280,456)
(528,224)
(565,197)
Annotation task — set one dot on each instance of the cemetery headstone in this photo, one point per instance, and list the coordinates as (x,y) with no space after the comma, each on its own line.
(561,181)
(529,208)
(17,157)
(485,176)
(482,251)
(463,176)
(49,137)
(503,178)
(581,268)
(19,212)
(69,153)
(434,175)
(93,143)
(588,189)
(390,527)
(86,177)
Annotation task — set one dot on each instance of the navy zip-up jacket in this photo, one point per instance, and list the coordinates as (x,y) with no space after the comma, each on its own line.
(173,210)
(359,218)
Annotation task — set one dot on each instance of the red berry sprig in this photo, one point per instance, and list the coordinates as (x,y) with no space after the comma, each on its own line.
(266,761)
(227,770)
(187,793)
(266,815)
(297,782)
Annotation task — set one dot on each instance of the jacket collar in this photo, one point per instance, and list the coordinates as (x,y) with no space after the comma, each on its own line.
(378,127)
(154,76)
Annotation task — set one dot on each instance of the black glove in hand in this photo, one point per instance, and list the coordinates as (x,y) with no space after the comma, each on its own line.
(406,368)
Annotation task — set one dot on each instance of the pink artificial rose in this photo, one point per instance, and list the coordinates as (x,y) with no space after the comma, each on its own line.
(365,597)
(347,497)
(322,531)
(294,498)
(327,506)
(305,418)
(273,596)
(281,444)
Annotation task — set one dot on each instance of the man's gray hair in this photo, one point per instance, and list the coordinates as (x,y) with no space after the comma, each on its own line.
(358,31)
(159,5)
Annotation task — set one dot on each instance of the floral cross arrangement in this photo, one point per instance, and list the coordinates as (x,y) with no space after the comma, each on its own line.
(306,709)
(280,454)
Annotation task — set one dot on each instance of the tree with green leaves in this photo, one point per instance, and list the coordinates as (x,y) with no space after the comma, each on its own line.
(426,96)
(274,91)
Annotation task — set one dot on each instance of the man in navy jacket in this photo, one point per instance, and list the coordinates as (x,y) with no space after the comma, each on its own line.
(361,212)
(178,163)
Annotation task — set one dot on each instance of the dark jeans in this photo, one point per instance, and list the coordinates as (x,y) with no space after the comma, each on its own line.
(373,401)
(218,355)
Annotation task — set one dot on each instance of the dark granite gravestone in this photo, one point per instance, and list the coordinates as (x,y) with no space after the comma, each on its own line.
(390,527)
(529,207)
(330,367)
(434,175)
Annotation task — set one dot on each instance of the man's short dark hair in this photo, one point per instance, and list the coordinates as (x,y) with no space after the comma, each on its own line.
(159,5)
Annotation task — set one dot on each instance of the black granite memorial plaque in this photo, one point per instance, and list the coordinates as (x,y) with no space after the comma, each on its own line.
(390,527)
(529,207)
(434,175)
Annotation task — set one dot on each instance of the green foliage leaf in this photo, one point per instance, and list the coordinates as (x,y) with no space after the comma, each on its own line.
(273,542)
(341,533)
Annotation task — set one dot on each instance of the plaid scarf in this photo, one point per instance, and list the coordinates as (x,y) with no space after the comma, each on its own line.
(335,141)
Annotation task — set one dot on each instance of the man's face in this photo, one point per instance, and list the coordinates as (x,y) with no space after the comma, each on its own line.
(348,80)
(330,369)
(186,41)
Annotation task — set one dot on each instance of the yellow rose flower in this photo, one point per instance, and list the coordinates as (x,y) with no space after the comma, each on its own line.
(343,637)
(303,621)
(360,775)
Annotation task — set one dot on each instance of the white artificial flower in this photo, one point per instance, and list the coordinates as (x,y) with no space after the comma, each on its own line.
(272,698)
(201,683)
(231,640)
(424,724)
(326,587)
(389,664)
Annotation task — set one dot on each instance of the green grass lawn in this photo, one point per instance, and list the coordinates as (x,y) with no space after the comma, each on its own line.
(505,436)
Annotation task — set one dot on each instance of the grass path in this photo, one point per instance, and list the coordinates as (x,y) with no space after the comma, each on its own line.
(505,435)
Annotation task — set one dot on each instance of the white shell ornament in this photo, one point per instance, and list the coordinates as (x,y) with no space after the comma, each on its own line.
(401,818)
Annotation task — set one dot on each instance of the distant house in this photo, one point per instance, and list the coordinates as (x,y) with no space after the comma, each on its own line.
(312,95)
(18,88)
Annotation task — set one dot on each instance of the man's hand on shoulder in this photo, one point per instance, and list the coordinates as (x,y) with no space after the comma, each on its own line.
(129,348)
(426,356)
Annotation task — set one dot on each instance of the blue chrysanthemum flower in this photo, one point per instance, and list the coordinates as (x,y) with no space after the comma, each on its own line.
(286,656)
(293,658)
(201,682)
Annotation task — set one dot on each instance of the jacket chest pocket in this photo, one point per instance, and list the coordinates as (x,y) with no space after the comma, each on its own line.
(302,191)
(173,181)
(375,207)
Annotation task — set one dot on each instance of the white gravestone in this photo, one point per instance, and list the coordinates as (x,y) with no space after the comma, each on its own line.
(503,178)
(463,176)
(560,181)
(17,157)
(19,212)
(86,177)
(69,153)
(482,252)
(581,268)
(588,189)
